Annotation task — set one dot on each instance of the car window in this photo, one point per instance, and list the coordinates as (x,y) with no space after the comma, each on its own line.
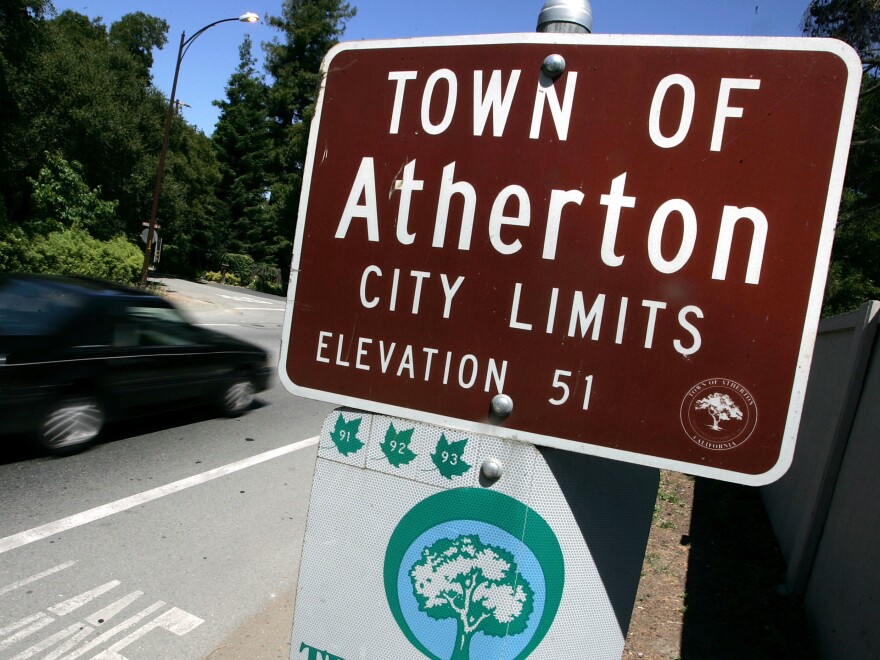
(91,329)
(29,308)
(154,326)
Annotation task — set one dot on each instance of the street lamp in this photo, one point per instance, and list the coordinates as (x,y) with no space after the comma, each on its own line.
(249,17)
(571,16)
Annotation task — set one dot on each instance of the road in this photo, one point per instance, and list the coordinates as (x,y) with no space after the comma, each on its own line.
(173,532)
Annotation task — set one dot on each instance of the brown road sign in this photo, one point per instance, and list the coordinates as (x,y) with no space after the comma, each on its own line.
(632,247)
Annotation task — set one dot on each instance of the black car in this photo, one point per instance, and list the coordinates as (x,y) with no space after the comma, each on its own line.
(77,352)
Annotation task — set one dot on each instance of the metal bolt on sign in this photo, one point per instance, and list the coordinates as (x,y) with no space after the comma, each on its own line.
(502,405)
(491,469)
(554,65)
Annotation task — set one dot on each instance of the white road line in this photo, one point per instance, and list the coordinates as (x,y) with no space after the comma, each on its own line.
(77,602)
(48,642)
(174,620)
(70,643)
(262,309)
(21,623)
(38,533)
(38,624)
(102,616)
(34,578)
(125,625)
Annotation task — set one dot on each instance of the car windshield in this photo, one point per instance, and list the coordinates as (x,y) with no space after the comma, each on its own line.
(29,307)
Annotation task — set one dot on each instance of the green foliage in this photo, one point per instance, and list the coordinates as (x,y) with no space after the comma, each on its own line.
(243,144)
(176,261)
(100,104)
(855,270)
(138,34)
(310,28)
(242,265)
(856,22)
(213,276)
(62,199)
(267,287)
(82,125)
(188,205)
(15,246)
(266,278)
(70,251)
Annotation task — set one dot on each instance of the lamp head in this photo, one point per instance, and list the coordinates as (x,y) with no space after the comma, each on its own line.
(249,17)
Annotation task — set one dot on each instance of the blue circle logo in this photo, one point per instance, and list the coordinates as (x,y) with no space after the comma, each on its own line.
(471,573)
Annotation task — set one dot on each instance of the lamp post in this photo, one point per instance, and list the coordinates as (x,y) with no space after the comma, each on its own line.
(566,16)
(185,43)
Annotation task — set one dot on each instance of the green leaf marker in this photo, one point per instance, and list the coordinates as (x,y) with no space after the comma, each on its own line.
(396,446)
(344,435)
(448,457)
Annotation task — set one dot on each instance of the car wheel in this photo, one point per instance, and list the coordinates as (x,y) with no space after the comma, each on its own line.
(71,424)
(238,397)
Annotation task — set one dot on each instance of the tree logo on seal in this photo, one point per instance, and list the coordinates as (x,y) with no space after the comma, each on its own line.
(719,414)
(464,580)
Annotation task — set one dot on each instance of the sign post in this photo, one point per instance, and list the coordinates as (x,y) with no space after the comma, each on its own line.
(412,551)
(626,236)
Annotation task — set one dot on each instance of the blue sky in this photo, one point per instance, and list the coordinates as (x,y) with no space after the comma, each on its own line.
(214,57)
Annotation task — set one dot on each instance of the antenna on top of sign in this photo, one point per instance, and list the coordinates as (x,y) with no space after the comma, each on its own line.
(567,16)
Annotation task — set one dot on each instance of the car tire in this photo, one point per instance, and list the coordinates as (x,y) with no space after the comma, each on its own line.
(238,396)
(70,425)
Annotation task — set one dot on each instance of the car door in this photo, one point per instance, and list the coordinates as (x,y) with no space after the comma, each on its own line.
(160,360)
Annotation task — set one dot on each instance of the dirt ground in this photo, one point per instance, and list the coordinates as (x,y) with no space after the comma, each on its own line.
(710,586)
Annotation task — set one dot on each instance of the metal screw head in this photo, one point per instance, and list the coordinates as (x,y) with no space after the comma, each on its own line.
(553,65)
(502,405)
(491,469)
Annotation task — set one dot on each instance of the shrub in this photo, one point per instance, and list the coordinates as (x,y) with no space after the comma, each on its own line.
(62,199)
(241,265)
(71,252)
(266,287)
(267,278)
(214,276)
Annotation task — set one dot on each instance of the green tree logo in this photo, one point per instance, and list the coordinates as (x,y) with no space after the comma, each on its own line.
(477,585)
(470,572)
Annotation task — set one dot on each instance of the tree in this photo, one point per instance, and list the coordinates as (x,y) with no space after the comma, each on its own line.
(138,34)
(188,206)
(62,199)
(477,585)
(242,143)
(855,269)
(856,22)
(23,36)
(721,407)
(100,115)
(310,28)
